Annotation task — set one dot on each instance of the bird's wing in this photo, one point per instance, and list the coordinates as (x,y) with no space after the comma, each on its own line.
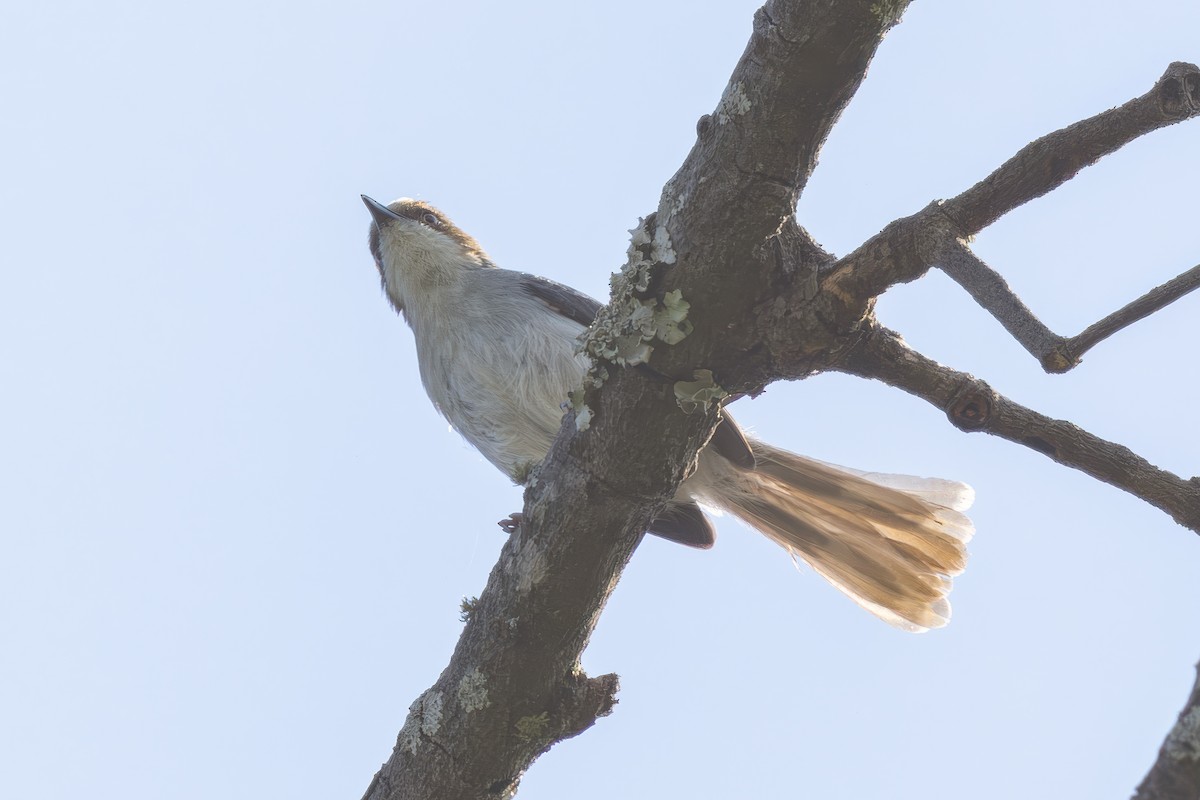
(568,302)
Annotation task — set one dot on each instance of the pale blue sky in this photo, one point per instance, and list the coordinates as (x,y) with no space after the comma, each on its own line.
(235,534)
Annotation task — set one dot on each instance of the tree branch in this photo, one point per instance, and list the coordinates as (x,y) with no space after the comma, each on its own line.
(1046,163)
(988,288)
(1056,353)
(1144,306)
(907,248)
(1176,772)
(513,687)
(972,405)
(730,205)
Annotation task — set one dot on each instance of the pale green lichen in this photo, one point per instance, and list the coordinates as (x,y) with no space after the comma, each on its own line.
(472,690)
(624,337)
(733,103)
(583,414)
(431,713)
(698,394)
(424,718)
(670,318)
(526,566)
(583,418)
(625,331)
(533,727)
(649,247)
(632,349)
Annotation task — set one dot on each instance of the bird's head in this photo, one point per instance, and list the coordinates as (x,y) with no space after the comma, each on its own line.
(417,248)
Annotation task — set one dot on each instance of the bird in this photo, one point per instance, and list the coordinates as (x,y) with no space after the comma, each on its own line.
(497,353)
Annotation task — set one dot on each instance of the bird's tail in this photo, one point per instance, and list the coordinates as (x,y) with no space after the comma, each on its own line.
(890,542)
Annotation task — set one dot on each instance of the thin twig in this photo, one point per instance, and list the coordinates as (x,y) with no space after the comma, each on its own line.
(1056,353)
(1144,306)
(908,247)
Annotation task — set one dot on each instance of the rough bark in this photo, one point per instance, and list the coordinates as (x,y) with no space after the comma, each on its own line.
(765,303)
(1176,772)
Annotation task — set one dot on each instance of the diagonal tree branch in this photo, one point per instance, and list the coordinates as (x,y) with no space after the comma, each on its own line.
(972,405)
(513,687)
(988,288)
(1176,772)
(1157,298)
(1046,163)
(1056,353)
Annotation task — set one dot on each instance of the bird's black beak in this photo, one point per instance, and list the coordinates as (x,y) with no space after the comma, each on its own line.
(379,211)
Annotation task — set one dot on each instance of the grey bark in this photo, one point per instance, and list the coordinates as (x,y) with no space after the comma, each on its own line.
(766,303)
(1176,772)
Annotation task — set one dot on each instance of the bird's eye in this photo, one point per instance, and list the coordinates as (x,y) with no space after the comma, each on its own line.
(431,220)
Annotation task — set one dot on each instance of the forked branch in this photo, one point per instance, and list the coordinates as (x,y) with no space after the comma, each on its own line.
(906,249)
(1056,353)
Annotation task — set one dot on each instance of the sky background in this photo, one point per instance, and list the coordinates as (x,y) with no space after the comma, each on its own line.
(234,534)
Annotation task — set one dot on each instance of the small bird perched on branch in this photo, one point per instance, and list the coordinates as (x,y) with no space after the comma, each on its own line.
(497,353)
